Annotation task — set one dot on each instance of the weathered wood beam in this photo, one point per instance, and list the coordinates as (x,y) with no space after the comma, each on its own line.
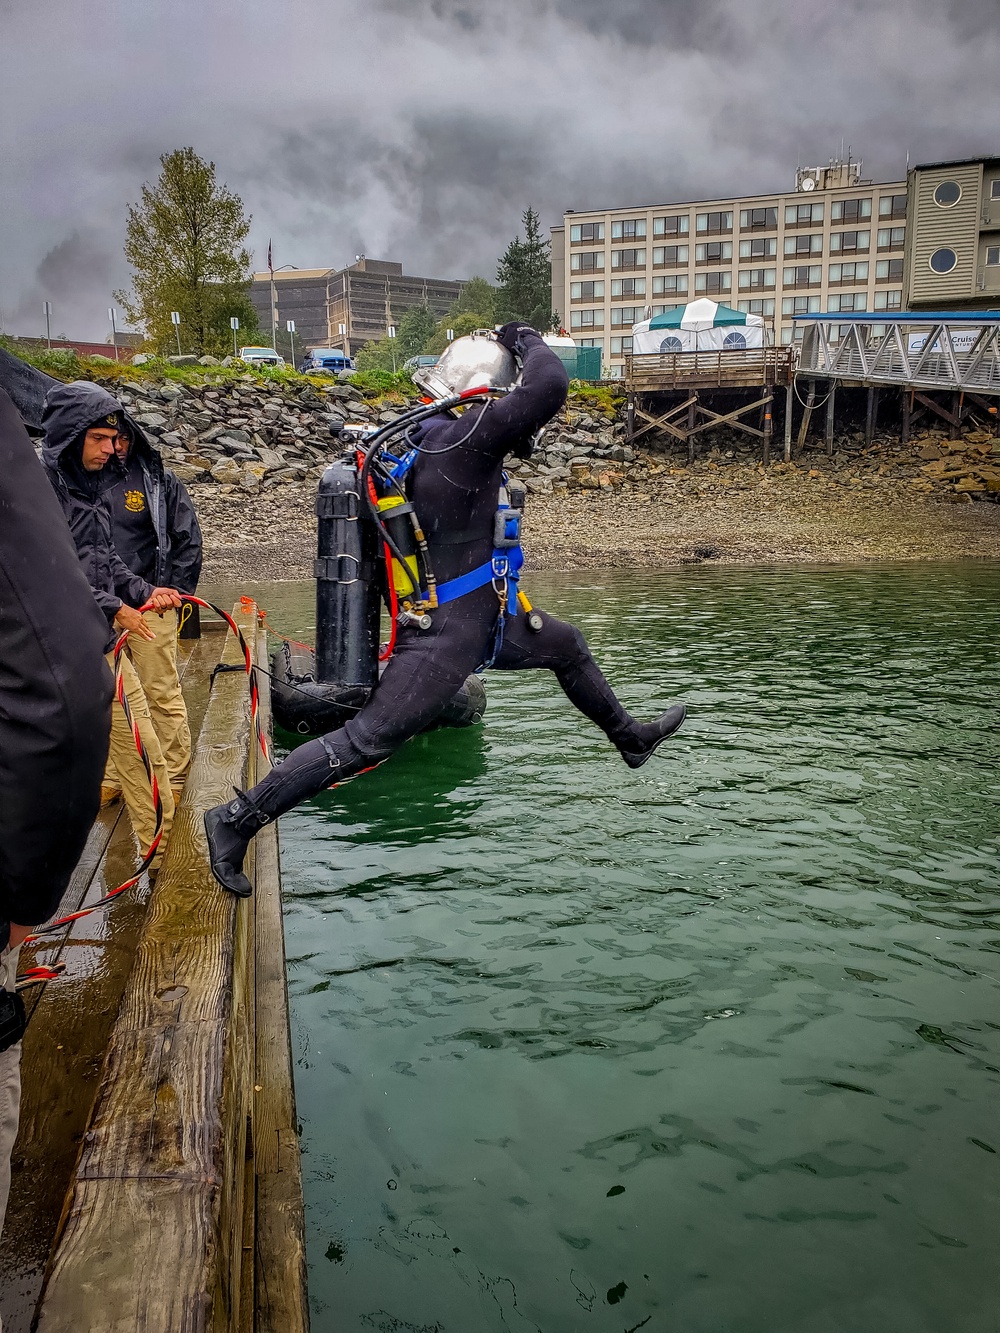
(154,1228)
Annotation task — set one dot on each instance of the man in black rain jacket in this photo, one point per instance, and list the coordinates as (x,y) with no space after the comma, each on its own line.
(156,533)
(81,423)
(55,716)
(453,486)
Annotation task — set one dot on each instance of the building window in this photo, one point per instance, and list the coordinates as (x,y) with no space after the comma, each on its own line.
(758,219)
(713,252)
(804,275)
(943,260)
(670,254)
(590,342)
(621,346)
(764,308)
(625,315)
(849,272)
(843,302)
(586,291)
(947,194)
(672,282)
(850,242)
(709,223)
(892,206)
(804,245)
(803,215)
(850,210)
(891,238)
(629,229)
(713,282)
(889,268)
(761,247)
(992,255)
(587,261)
(586,319)
(799,305)
(628,287)
(889,300)
(586,231)
(662,309)
(757,279)
(628,259)
(678,225)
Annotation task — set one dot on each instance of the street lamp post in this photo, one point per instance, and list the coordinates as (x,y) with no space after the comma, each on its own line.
(175,319)
(234,324)
(290,327)
(114,331)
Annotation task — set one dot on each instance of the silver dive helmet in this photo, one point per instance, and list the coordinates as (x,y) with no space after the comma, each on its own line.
(474,362)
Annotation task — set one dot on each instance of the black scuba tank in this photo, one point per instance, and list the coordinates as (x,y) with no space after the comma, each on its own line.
(347,588)
(315,692)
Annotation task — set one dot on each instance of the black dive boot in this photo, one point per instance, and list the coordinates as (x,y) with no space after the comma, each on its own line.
(229,829)
(642,739)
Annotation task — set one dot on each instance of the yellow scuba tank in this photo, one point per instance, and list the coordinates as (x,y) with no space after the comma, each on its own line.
(395,514)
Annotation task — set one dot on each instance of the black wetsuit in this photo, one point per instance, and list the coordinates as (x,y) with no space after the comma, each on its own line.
(454,487)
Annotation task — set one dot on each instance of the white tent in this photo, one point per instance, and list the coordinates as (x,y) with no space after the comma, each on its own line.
(699,326)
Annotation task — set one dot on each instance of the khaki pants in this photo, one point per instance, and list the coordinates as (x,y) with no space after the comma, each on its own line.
(128,767)
(156,666)
(10,1089)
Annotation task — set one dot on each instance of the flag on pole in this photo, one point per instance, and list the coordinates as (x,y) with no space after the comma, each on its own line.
(270,262)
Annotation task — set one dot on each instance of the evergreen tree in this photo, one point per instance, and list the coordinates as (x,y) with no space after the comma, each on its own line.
(460,324)
(478,298)
(525,277)
(185,241)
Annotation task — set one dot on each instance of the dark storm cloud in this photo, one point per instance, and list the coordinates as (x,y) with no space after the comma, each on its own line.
(420,130)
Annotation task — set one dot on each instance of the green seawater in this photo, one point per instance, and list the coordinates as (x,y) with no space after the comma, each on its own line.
(712,1047)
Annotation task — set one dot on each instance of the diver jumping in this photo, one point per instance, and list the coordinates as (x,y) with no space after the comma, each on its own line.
(450,481)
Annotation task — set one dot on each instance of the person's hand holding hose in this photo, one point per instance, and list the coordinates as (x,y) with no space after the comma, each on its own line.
(130,619)
(163,599)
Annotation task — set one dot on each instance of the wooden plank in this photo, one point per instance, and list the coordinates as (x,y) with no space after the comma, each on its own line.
(281,1302)
(153,1236)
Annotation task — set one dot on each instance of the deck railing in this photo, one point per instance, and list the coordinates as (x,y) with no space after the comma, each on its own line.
(658,372)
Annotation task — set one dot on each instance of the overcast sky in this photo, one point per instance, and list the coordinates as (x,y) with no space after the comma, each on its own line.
(418,130)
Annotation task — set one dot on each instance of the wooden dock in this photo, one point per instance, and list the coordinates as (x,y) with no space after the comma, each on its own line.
(157,1180)
(677,394)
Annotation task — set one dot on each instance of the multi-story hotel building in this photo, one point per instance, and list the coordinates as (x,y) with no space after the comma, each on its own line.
(834,243)
(952,254)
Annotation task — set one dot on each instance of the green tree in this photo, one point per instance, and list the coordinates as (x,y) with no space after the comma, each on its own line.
(525,277)
(381,355)
(416,328)
(479,298)
(185,241)
(460,324)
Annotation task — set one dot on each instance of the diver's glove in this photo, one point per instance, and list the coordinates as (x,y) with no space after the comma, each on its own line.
(512,335)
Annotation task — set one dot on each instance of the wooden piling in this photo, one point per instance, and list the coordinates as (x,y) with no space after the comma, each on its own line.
(907,412)
(164,1228)
(830,411)
(691,423)
(871,413)
(789,400)
(806,417)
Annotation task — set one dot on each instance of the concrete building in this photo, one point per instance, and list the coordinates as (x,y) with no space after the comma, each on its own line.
(835,242)
(952,256)
(347,307)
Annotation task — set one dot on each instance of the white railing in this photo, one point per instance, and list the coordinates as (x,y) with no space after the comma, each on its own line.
(931,354)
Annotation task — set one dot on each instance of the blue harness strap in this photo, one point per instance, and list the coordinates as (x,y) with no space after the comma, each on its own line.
(503,564)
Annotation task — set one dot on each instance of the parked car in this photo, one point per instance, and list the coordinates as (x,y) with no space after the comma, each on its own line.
(261,356)
(419,362)
(333,359)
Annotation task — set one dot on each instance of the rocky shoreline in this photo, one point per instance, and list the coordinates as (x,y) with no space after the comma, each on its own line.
(252,452)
